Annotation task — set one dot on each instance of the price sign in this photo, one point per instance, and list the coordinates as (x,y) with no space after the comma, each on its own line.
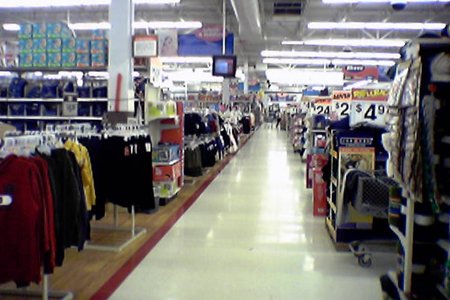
(340,105)
(322,106)
(369,112)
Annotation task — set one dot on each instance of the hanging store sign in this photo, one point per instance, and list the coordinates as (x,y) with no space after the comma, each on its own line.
(360,73)
(167,42)
(340,104)
(370,94)
(145,46)
(203,45)
(369,106)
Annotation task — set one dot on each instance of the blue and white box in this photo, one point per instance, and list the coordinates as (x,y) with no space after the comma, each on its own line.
(69,59)
(99,46)
(40,59)
(58,30)
(98,60)
(39,31)
(54,59)
(39,45)
(26,31)
(26,59)
(54,45)
(83,46)
(69,45)
(83,60)
(25,45)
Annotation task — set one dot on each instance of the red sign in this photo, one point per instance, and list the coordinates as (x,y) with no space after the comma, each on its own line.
(360,73)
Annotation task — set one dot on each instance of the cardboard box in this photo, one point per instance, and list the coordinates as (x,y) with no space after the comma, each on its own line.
(319,194)
(58,30)
(98,60)
(25,45)
(26,59)
(39,59)
(54,45)
(39,30)
(165,153)
(166,173)
(69,45)
(54,59)
(83,60)
(83,46)
(69,59)
(26,31)
(39,45)
(99,46)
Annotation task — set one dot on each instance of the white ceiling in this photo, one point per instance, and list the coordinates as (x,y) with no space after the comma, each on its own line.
(274,29)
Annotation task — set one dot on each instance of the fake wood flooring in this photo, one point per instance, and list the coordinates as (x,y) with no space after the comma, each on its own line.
(251,235)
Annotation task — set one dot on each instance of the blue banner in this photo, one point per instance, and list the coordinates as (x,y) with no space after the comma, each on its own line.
(193,45)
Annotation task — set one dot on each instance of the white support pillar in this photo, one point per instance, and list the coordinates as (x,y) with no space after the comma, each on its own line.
(246,76)
(226,91)
(121,17)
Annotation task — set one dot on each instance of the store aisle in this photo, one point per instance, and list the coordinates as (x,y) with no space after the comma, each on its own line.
(251,235)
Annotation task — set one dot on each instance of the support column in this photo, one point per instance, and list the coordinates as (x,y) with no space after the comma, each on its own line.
(121,17)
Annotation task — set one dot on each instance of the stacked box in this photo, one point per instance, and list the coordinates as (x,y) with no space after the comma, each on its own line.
(69,45)
(25,45)
(54,45)
(98,46)
(83,60)
(39,45)
(26,59)
(69,59)
(54,59)
(99,34)
(58,30)
(98,60)
(39,30)
(26,31)
(39,59)
(83,46)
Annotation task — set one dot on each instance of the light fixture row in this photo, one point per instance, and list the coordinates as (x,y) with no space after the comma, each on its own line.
(137,25)
(382,1)
(326,62)
(69,3)
(376,43)
(315,54)
(376,25)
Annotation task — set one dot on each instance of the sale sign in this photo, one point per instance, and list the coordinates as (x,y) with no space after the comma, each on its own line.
(370,94)
(340,104)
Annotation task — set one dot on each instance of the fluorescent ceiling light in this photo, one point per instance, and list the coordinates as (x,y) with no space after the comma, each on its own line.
(314,54)
(186,60)
(192,76)
(296,76)
(336,62)
(349,42)
(140,25)
(11,27)
(376,25)
(68,3)
(380,1)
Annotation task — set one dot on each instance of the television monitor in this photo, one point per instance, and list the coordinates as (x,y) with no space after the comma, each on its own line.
(224,65)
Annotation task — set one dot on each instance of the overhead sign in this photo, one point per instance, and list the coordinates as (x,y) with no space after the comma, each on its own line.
(370,94)
(322,106)
(360,73)
(145,46)
(167,42)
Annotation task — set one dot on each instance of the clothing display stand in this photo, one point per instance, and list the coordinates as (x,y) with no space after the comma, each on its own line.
(136,232)
(45,293)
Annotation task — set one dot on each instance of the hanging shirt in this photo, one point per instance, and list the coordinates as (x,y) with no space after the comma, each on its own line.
(84,161)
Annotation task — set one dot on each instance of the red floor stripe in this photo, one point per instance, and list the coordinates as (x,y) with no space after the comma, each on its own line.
(109,287)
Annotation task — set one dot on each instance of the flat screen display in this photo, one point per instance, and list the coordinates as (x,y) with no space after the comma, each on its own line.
(224,65)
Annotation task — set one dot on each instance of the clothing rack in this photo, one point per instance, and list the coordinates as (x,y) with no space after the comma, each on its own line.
(135,232)
(29,141)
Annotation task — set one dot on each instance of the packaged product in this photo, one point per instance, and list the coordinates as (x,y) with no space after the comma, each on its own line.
(69,59)
(82,46)
(69,45)
(54,45)
(83,60)
(26,31)
(39,30)
(99,34)
(98,60)
(25,45)
(39,59)
(39,45)
(98,46)
(58,30)
(26,59)
(54,59)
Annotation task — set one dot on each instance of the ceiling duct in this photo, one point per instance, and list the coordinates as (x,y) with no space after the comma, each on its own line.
(249,18)
(287,10)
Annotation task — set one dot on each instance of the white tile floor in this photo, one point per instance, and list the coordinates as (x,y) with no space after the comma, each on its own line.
(251,235)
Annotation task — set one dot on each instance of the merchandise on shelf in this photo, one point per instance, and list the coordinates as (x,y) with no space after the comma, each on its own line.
(163,173)
(99,34)
(39,30)
(83,46)
(58,30)
(54,59)
(69,59)
(69,45)
(99,46)
(54,45)
(83,60)
(26,59)
(26,31)
(39,59)
(39,45)
(98,59)
(25,45)
(166,153)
